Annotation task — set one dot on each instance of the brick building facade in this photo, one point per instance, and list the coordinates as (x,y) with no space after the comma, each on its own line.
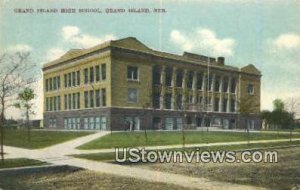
(123,84)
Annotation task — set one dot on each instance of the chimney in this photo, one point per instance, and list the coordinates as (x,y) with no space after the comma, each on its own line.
(221,61)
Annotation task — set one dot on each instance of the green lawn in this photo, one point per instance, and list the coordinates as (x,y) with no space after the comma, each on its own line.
(76,180)
(39,139)
(20,162)
(134,139)
(110,156)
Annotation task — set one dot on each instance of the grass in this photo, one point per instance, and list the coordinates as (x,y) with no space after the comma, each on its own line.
(20,162)
(76,181)
(158,138)
(283,175)
(110,156)
(39,139)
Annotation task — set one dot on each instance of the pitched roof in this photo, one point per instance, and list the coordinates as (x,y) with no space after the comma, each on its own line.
(131,43)
(251,69)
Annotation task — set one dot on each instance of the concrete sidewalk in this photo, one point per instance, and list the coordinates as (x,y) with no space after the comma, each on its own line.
(79,151)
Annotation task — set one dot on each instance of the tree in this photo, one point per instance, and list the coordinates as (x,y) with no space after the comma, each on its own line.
(278,105)
(266,116)
(16,72)
(246,107)
(25,97)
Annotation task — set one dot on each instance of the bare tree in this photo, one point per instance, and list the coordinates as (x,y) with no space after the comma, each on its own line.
(292,106)
(246,107)
(16,72)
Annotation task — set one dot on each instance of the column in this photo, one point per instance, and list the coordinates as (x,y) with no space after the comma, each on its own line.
(229,95)
(174,76)
(213,93)
(184,89)
(236,96)
(221,94)
(194,87)
(204,82)
(163,87)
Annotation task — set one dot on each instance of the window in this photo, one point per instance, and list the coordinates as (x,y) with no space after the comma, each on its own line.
(232,105)
(91,98)
(54,83)
(91,74)
(132,95)
(179,123)
(50,84)
(103,71)
(103,94)
(169,73)
(78,100)
(199,81)
(78,78)
(225,105)
(225,84)
(132,73)
(217,84)
(179,78)
(47,85)
(86,123)
(167,101)
(86,99)
(69,80)
(58,103)
(233,86)
(47,104)
(66,80)
(58,82)
(188,120)
(216,106)
(52,123)
(97,122)
(132,123)
(179,101)
(190,79)
(70,101)
(55,103)
(73,79)
(50,107)
(198,121)
(86,76)
(66,102)
(97,68)
(250,89)
(66,123)
(74,101)
(97,93)
(210,80)
(91,123)
(156,75)
(103,123)
(169,123)
(155,100)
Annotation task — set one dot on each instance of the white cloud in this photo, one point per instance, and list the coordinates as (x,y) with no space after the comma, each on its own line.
(203,40)
(69,32)
(286,41)
(73,35)
(19,48)
(54,53)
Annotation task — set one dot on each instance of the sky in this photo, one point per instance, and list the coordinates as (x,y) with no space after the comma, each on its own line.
(263,33)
